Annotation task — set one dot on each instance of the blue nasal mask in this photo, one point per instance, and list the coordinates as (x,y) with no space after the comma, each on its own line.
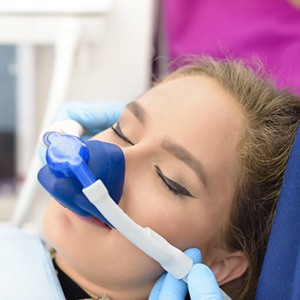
(73,164)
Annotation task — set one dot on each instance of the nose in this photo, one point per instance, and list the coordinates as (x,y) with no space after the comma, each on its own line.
(138,161)
(136,157)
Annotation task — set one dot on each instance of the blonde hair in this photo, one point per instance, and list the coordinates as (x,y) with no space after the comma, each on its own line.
(271,119)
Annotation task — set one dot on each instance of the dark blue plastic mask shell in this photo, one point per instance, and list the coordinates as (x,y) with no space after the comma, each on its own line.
(105,161)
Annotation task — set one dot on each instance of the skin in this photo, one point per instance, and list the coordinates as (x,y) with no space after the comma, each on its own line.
(198,115)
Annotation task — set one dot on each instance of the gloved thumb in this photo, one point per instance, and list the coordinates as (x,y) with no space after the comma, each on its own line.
(202,284)
(194,254)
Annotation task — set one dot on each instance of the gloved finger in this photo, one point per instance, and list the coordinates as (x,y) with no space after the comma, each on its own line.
(194,254)
(154,295)
(173,289)
(167,287)
(176,289)
(96,116)
(202,284)
(62,113)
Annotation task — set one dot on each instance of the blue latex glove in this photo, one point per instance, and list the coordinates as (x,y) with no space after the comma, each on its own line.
(93,116)
(201,283)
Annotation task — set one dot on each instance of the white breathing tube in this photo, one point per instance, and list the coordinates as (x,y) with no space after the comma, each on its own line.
(169,257)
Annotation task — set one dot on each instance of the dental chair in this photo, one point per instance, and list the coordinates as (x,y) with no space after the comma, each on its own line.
(280,275)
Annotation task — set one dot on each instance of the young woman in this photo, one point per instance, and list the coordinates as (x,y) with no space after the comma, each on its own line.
(205,153)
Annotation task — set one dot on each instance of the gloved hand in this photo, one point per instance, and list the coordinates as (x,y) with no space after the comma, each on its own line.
(201,283)
(93,116)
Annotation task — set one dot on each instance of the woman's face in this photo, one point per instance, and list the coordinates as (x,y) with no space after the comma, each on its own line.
(180,141)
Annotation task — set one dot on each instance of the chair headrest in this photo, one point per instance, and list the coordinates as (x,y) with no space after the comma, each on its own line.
(280,275)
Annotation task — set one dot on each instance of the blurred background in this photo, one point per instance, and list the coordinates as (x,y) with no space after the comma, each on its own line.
(7,120)
(57,51)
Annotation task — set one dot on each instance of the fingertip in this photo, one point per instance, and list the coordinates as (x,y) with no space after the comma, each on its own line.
(202,283)
(173,288)
(194,254)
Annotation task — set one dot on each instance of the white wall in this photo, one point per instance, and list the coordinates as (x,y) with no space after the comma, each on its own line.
(118,67)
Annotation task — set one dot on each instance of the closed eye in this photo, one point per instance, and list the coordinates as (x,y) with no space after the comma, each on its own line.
(174,187)
(118,132)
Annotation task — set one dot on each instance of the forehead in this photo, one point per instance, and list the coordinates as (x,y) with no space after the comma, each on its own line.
(199,114)
(189,92)
(189,102)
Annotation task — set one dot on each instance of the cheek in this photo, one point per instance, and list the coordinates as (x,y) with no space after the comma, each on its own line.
(183,223)
(56,225)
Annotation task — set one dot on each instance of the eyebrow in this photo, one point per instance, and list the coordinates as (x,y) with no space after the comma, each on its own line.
(173,148)
(188,158)
(137,110)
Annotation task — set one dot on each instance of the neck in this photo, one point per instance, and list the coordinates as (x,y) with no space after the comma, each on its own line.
(96,291)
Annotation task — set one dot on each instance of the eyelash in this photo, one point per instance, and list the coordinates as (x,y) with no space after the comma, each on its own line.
(117,131)
(175,191)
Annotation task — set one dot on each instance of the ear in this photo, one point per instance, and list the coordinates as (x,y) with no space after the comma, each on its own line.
(230,267)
